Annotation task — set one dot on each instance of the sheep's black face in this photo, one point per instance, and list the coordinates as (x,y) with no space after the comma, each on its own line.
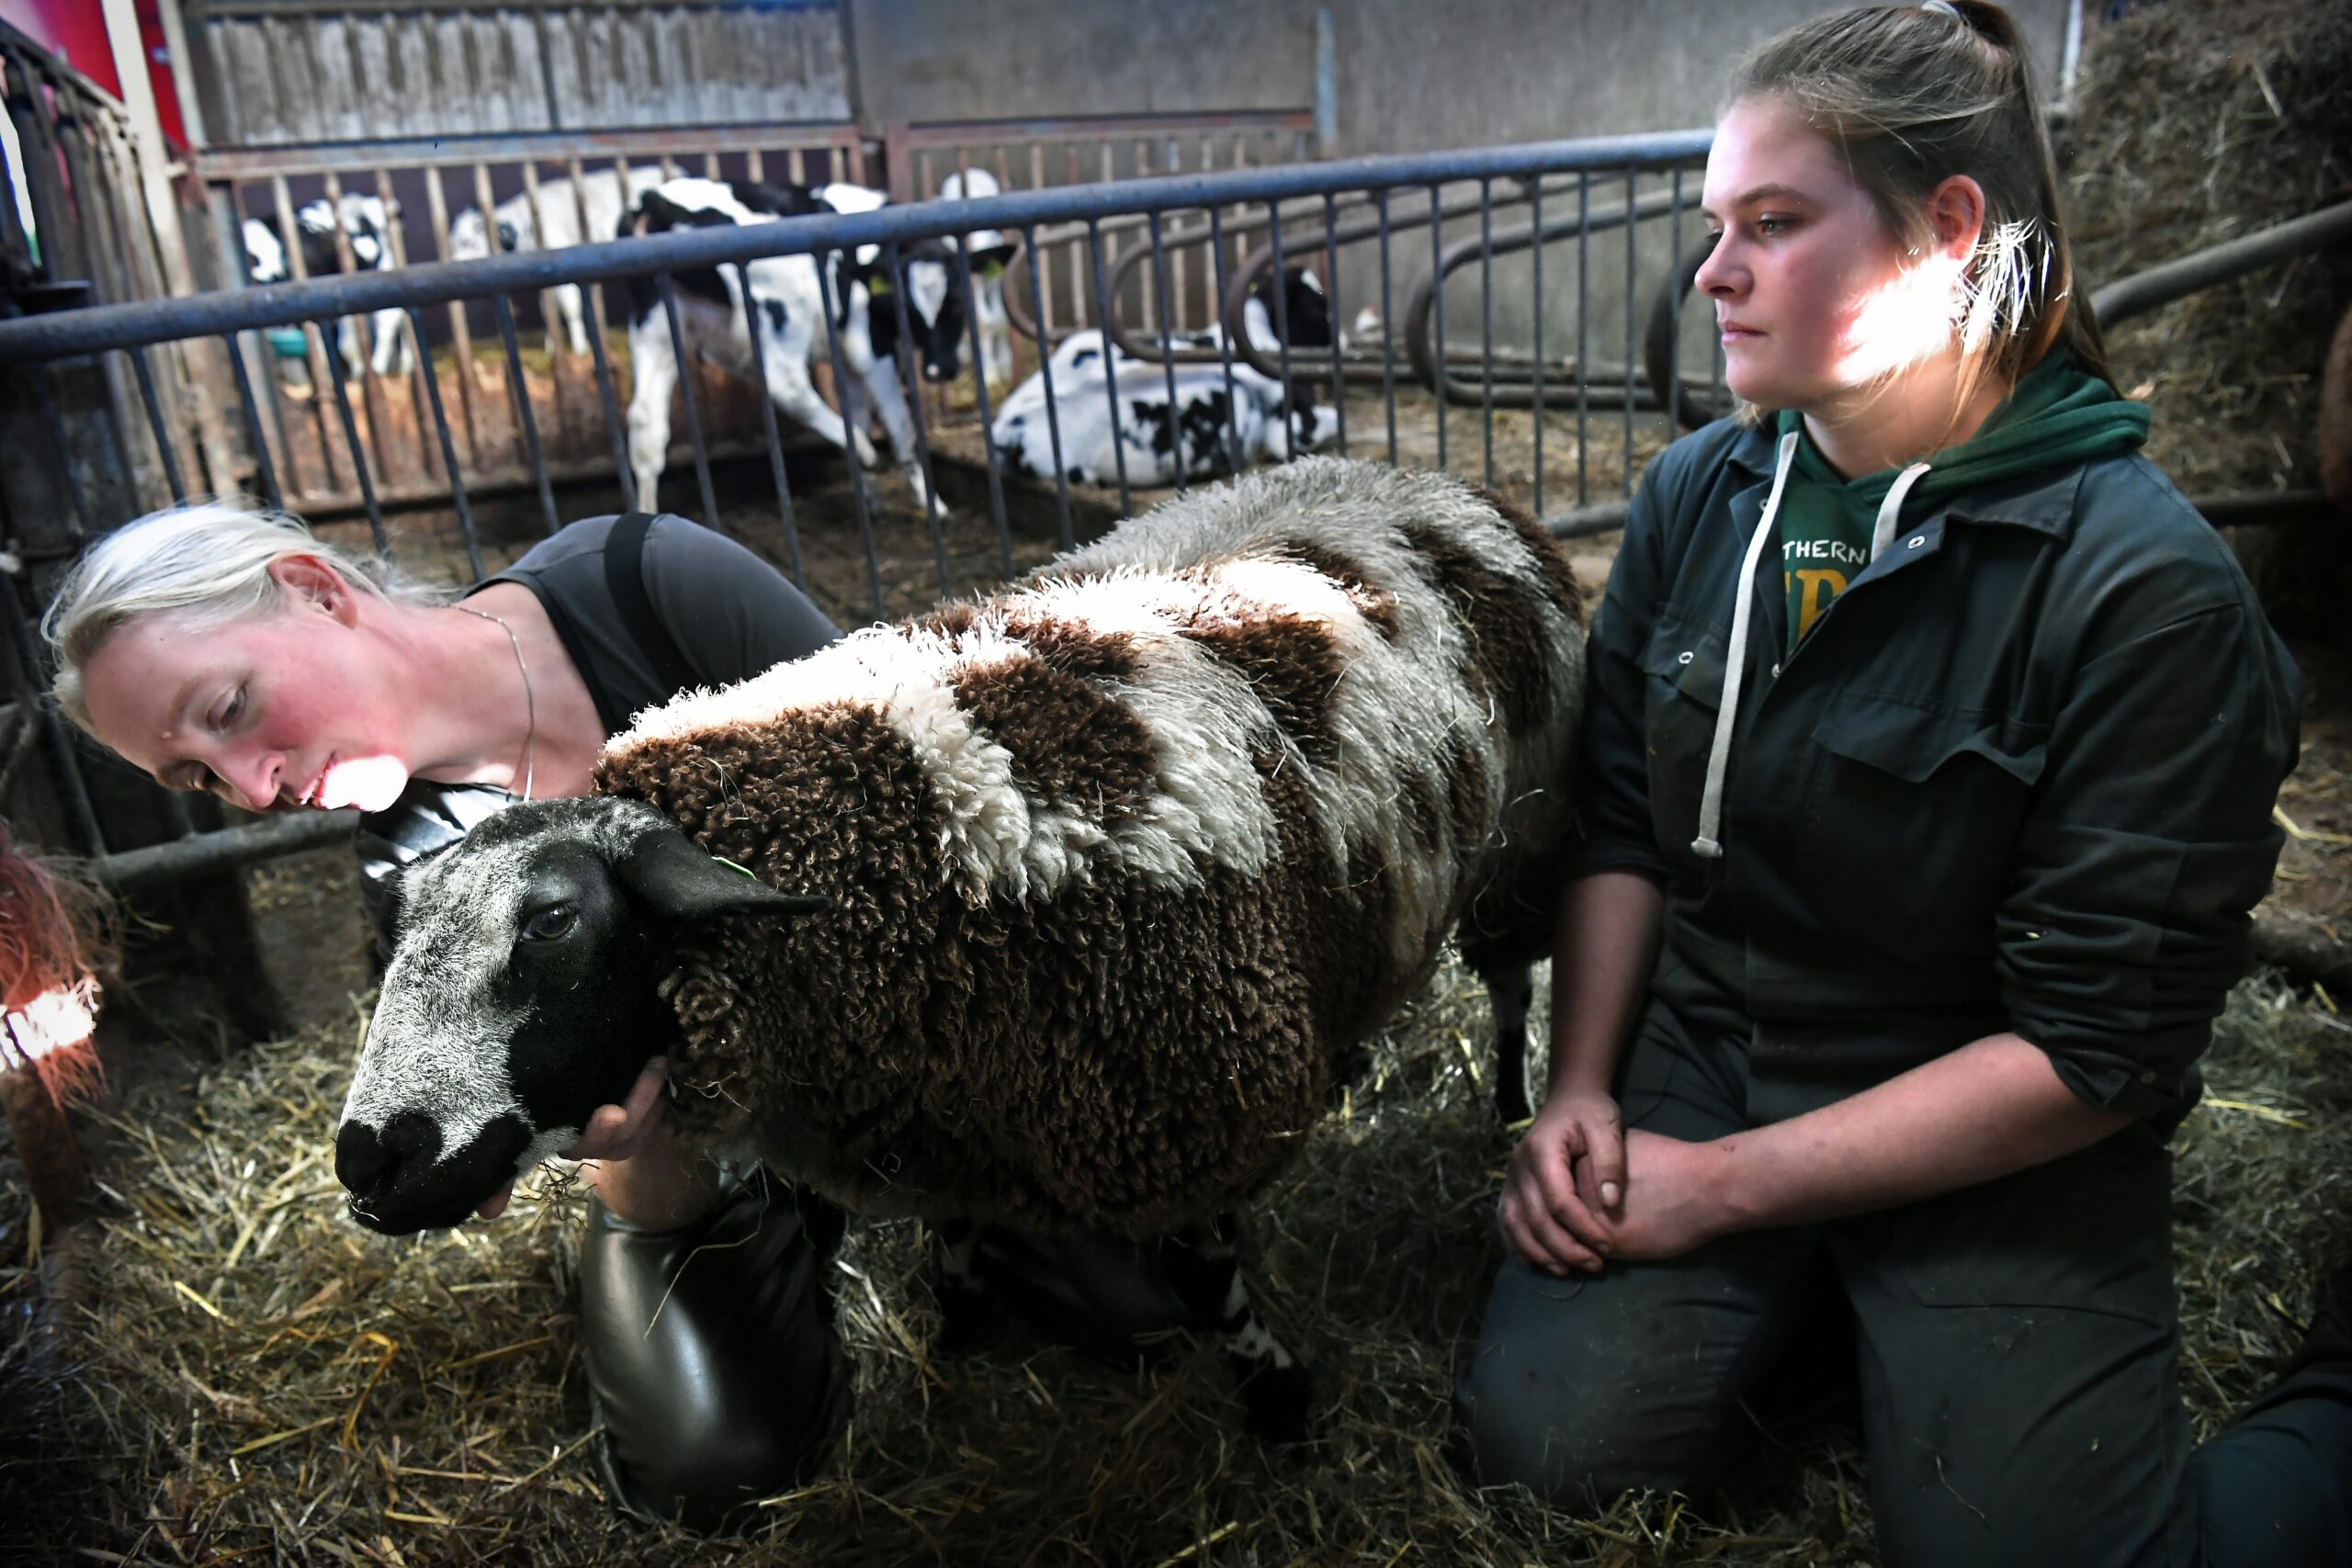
(523,993)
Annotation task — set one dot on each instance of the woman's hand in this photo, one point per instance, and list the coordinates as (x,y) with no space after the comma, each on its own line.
(1676,1198)
(619,1131)
(1565,1182)
(614,1132)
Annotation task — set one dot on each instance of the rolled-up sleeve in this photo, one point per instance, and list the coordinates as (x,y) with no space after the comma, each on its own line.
(2149,843)
(1611,787)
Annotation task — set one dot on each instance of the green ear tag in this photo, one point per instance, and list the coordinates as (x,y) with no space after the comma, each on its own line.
(993,269)
(879,286)
(732,866)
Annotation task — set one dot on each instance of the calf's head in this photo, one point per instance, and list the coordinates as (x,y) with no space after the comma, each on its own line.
(937,308)
(469,236)
(523,993)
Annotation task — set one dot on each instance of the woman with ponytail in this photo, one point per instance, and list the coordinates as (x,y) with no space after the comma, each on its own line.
(1912,881)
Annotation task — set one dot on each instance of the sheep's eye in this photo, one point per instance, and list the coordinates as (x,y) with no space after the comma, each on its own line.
(549,924)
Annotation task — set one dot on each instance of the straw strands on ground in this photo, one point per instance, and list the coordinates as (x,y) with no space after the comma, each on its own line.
(249,1377)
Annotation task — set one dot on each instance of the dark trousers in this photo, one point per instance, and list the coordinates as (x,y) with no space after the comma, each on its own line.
(2017,1347)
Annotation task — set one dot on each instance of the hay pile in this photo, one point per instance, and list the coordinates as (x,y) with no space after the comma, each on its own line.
(253,1377)
(2195,123)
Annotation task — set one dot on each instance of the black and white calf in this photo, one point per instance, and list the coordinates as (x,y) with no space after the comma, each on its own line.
(366,223)
(1198,436)
(557,225)
(788,322)
(988,277)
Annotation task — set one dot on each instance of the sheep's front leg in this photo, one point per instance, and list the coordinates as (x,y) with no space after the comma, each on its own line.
(1511,993)
(1274,1387)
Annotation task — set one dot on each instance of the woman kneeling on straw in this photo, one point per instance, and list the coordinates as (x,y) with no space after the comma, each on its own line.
(1932,741)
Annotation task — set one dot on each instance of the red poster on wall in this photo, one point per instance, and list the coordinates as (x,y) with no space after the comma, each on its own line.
(75,31)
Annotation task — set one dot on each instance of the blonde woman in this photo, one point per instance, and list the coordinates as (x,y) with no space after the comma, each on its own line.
(223,649)
(1932,742)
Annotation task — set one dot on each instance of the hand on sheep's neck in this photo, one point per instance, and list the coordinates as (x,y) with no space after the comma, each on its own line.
(635,1161)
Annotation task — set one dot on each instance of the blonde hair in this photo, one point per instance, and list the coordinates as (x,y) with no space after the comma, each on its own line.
(207,562)
(1912,94)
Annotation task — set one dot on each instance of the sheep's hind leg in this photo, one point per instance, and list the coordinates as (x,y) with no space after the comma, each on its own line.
(965,1307)
(1274,1387)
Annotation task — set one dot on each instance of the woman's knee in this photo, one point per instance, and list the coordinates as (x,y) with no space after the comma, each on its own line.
(1561,1397)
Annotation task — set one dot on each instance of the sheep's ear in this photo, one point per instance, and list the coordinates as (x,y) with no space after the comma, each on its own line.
(669,872)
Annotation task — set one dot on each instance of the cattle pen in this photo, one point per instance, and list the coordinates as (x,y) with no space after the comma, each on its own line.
(216,1367)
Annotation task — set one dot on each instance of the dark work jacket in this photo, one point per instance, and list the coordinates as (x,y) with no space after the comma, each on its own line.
(700,610)
(2018,777)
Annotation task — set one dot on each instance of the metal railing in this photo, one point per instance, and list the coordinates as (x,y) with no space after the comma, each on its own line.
(1310,212)
(426,189)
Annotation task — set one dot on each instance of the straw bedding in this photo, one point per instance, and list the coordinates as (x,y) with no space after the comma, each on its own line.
(250,1377)
(220,1368)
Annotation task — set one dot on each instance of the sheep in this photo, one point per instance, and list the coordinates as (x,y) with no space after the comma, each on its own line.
(1060,907)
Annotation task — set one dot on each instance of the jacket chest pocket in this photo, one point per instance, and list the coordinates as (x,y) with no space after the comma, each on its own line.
(1683,692)
(1913,819)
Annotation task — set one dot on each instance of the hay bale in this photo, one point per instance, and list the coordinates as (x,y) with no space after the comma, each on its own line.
(2196,123)
(2335,418)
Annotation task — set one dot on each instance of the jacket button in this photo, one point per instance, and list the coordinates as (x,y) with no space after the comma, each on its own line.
(1776,672)
(1683,656)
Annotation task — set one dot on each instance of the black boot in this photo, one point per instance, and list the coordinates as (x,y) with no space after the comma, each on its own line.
(713,1363)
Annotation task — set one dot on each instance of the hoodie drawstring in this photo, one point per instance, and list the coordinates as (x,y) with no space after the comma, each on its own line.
(1708,845)
(1884,534)
(1711,800)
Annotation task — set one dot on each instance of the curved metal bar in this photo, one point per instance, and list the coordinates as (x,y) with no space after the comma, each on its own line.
(1507,394)
(1328,237)
(1664,337)
(2161,284)
(65,332)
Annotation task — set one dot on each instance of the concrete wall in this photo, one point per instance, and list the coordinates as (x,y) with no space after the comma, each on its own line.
(1409,75)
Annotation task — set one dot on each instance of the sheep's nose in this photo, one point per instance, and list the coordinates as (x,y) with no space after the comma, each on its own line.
(371,1163)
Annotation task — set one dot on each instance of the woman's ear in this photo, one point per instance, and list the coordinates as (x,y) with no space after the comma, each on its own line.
(309,580)
(1956,212)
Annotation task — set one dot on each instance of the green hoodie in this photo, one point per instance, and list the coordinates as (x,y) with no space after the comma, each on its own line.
(2059,413)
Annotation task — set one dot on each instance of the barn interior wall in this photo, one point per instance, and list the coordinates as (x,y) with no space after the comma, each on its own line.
(1409,75)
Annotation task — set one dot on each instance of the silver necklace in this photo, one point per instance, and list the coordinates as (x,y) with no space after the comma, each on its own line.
(530,704)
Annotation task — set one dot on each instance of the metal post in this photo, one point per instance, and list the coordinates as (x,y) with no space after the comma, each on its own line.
(988,430)
(1388,333)
(694,405)
(1110,371)
(1046,371)
(523,404)
(827,284)
(1167,360)
(448,449)
(911,389)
